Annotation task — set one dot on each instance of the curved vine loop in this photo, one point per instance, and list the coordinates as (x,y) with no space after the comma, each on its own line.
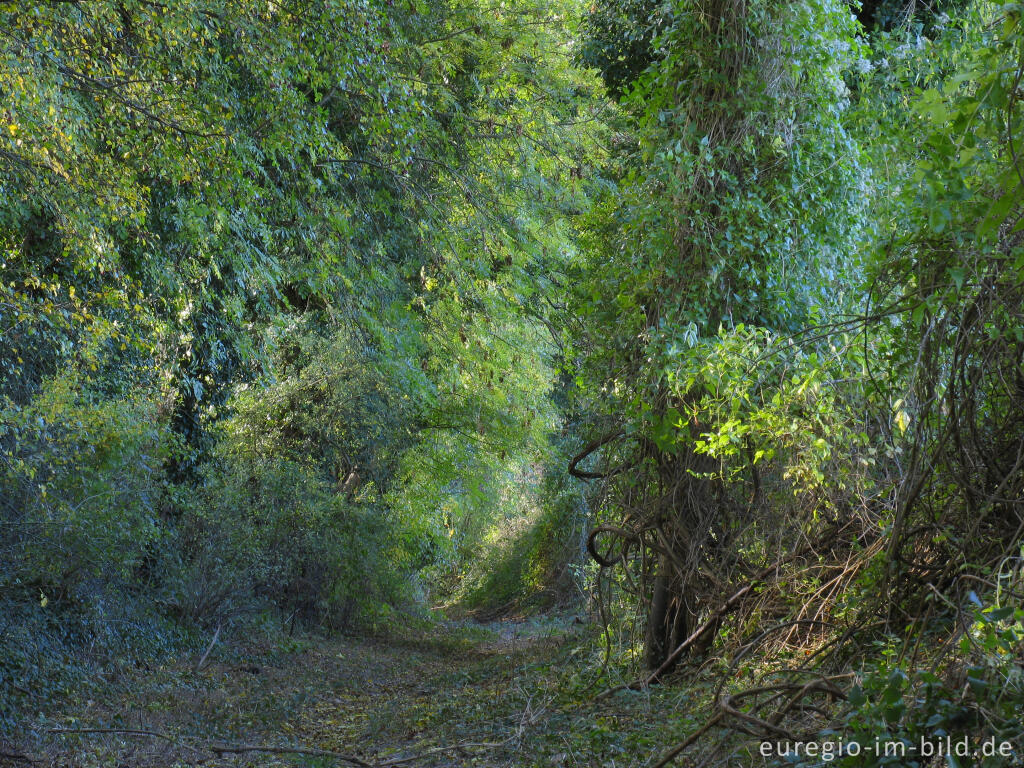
(604,560)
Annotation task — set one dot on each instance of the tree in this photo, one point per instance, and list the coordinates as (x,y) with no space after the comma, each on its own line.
(737,189)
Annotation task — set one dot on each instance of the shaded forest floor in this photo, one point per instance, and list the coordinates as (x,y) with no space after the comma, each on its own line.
(501,694)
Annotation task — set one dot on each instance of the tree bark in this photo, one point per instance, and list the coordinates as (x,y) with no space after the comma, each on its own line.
(670,616)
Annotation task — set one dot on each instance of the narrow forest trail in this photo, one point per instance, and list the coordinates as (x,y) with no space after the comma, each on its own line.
(461,694)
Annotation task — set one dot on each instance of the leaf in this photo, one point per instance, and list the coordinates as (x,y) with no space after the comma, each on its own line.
(902,420)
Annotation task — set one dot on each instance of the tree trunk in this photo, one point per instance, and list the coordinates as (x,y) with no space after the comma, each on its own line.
(670,617)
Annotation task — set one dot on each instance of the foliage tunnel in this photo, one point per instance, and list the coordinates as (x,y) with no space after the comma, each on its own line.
(702,317)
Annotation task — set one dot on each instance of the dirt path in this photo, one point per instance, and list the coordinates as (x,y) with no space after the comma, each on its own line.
(482,687)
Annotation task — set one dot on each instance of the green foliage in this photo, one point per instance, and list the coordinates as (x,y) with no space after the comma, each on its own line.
(302,309)
(730,237)
(270,335)
(734,210)
(283,537)
(776,408)
(82,479)
(801,308)
(946,278)
(527,560)
(620,40)
(977,701)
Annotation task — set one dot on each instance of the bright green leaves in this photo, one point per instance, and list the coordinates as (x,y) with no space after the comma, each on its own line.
(757,398)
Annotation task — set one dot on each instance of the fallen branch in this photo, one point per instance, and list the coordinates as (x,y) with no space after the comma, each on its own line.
(726,707)
(436,750)
(221,749)
(673,753)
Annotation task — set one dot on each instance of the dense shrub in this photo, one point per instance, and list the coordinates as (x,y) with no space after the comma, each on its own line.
(284,538)
(81,485)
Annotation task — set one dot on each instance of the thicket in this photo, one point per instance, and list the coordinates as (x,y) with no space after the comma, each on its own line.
(807,442)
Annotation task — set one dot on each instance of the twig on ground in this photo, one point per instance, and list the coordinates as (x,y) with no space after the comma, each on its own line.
(220,749)
(209,648)
(673,753)
(233,749)
(436,750)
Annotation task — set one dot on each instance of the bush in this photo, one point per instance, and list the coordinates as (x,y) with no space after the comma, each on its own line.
(976,697)
(81,482)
